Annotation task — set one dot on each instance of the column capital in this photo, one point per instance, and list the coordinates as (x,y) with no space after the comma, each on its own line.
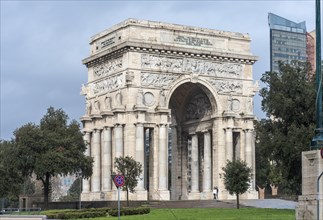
(107,128)
(97,130)
(118,125)
(205,131)
(139,124)
(85,132)
(192,133)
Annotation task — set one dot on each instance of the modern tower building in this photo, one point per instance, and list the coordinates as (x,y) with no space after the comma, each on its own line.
(287,41)
(311,52)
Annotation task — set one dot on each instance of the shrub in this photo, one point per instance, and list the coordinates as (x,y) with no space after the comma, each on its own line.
(77,214)
(93,212)
(130,211)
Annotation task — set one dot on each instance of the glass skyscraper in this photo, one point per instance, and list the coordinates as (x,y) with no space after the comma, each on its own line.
(287,41)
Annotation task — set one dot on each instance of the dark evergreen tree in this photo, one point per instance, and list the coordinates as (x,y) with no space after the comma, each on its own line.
(52,148)
(289,102)
(11,178)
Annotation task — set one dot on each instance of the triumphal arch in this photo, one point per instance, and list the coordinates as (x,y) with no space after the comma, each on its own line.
(178,99)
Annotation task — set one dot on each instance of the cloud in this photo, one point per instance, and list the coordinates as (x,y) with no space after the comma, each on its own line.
(43,44)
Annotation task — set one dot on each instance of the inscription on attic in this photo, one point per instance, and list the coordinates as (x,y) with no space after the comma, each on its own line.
(193,41)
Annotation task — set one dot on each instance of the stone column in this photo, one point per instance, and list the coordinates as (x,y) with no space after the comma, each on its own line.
(207,178)
(229,144)
(140,154)
(118,140)
(249,148)
(194,165)
(87,141)
(95,153)
(162,158)
(249,155)
(106,158)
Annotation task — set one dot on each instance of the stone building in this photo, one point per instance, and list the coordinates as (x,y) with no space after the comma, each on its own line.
(178,99)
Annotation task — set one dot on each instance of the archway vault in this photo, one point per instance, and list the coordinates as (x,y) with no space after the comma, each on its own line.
(173,97)
(191,102)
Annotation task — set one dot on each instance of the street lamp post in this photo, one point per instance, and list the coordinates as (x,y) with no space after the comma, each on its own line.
(317,141)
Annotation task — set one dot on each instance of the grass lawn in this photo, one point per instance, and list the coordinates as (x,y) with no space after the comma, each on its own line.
(209,213)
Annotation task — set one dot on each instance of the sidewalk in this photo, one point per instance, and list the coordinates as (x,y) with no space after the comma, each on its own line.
(269,203)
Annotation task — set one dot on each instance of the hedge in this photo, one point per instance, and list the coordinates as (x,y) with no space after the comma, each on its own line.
(130,211)
(79,214)
(93,212)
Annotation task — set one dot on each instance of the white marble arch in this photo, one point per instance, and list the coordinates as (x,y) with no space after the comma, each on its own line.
(141,107)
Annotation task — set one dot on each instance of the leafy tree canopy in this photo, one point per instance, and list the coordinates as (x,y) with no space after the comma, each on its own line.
(55,147)
(237,177)
(10,176)
(289,102)
(131,170)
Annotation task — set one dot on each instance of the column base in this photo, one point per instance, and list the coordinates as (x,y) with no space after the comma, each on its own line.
(92,196)
(141,195)
(160,195)
(206,195)
(194,196)
(252,194)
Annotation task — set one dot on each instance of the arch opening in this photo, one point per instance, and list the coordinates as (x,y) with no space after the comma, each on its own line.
(190,170)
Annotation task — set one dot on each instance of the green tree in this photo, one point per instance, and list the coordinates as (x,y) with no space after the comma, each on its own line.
(131,170)
(289,102)
(11,178)
(237,177)
(52,148)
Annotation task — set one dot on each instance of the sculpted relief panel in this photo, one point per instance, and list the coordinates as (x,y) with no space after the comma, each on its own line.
(105,69)
(227,86)
(188,65)
(105,85)
(157,80)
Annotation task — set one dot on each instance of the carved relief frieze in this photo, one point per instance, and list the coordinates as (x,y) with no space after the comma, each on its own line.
(161,63)
(227,86)
(189,65)
(157,80)
(107,68)
(106,85)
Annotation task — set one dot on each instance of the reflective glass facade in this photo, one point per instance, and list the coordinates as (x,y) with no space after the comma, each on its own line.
(287,41)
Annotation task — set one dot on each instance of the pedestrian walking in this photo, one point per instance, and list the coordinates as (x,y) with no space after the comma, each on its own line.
(215,192)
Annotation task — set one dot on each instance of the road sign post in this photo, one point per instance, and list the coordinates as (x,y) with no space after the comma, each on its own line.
(119,182)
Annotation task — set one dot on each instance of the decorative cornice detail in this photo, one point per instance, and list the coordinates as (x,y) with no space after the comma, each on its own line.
(117,52)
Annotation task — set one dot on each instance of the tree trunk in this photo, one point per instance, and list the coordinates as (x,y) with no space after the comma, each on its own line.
(238,201)
(274,190)
(46,184)
(127,197)
(261,192)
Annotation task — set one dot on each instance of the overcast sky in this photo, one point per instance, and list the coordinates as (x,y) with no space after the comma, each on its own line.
(43,44)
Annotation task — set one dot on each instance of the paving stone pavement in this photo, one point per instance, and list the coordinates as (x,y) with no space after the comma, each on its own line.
(269,203)
(257,203)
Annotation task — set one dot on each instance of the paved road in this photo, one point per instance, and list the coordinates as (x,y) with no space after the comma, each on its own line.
(269,203)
